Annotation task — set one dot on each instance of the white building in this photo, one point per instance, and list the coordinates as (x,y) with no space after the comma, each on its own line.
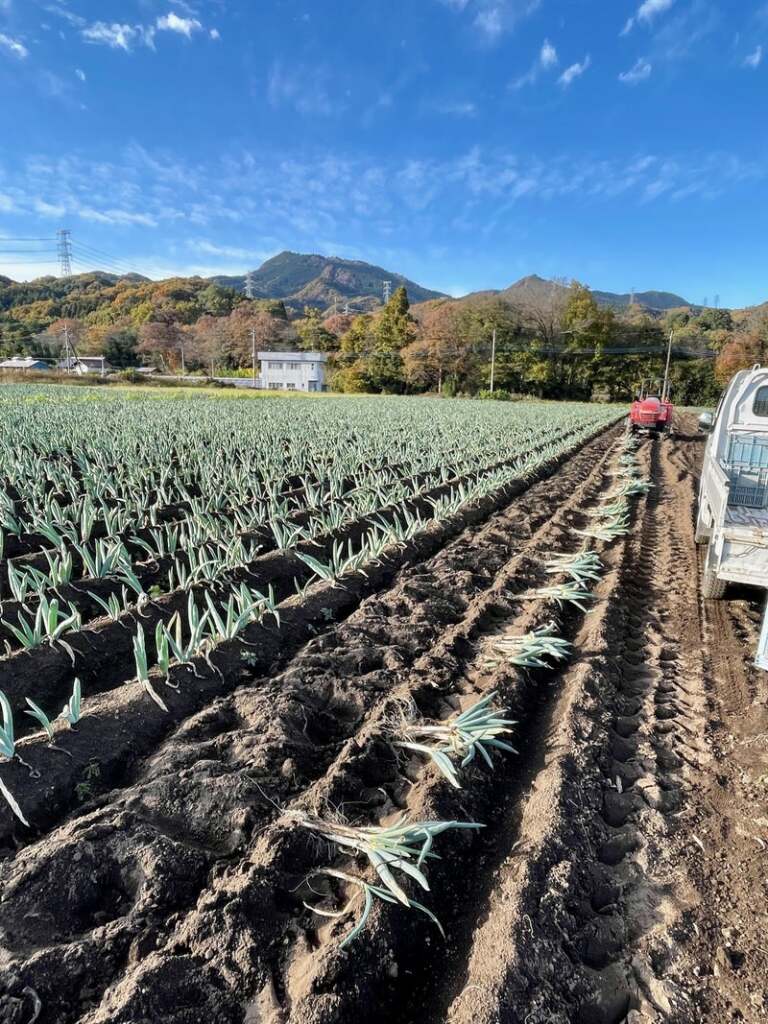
(292,371)
(85,364)
(23,363)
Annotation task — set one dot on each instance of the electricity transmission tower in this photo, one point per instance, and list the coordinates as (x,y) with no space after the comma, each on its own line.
(387,291)
(64,248)
(249,285)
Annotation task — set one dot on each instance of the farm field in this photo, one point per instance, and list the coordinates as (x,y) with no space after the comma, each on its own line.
(267,607)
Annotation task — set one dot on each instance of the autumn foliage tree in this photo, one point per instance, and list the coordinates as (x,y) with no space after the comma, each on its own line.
(740,353)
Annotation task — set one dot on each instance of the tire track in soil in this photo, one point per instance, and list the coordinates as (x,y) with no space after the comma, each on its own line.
(575,929)
(193,816)
(725,957)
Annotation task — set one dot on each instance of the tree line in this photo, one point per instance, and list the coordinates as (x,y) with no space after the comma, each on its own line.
(557,343)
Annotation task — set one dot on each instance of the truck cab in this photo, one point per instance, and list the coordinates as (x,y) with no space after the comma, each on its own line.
(733,495)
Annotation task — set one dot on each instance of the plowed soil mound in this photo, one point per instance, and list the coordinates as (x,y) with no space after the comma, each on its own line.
(621,871)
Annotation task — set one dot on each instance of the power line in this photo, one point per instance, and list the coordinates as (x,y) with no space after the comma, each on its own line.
(91,263)
(88,265)
(91,249)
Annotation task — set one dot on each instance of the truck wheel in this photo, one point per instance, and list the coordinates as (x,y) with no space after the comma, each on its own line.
(712,588)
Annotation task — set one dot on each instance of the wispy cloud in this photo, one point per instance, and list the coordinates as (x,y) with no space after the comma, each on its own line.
(546,60)
(67,15)
(303,88)
(116,36)
(646,12)
(548,55)
(679,35)
(754,59)
(171,22)
(492,18)
(80,74)
(13,46)
(207,248)
(574,71)
(123,36)
(459,108)
(286,202)
(639,71)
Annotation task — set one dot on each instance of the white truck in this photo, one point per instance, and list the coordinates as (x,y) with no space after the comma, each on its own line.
(733,495)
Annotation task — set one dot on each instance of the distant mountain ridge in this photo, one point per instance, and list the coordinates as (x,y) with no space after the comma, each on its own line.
(535,288)
(313,280)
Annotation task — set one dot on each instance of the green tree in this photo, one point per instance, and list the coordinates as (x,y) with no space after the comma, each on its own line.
(313,335)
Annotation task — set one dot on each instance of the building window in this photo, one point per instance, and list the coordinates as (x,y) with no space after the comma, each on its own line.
(290,387)
(294,366)
(274,366)
(760,405)
(275,385)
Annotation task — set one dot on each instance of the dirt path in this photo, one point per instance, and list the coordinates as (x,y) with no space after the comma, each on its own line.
(621,873)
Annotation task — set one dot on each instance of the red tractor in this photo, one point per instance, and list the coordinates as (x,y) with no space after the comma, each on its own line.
(652,410)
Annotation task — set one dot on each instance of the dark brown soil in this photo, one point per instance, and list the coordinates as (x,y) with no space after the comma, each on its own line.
(620,875)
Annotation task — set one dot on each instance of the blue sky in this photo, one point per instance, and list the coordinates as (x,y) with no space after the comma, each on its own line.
(464,143)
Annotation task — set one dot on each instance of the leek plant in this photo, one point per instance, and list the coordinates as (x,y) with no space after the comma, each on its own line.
(528,650)
(582,566)
(462,736)
(368,892)
(573,592)
(142,667)
(401,847)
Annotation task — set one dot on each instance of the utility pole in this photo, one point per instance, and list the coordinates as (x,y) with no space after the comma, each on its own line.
(665,386)
(64,247)
(493,356)
(253,357)
(67,359)
(183,367)
(249,285)
(387,291)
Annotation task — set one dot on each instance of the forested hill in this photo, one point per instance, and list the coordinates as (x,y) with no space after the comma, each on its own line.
(287,283)
(537,289)
(311,280)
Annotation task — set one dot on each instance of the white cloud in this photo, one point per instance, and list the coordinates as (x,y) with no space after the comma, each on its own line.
(546,60)
(458,109)
(574,71)
(80,74)
(754,59)
(62,12)
(304,89)
(548,55)
(116,36)
(49,209)
(492,18)
(489,22)
(637,73)
(646,12)
(13,46)
(173,23)
(124,37)
(117,217)
(202,245)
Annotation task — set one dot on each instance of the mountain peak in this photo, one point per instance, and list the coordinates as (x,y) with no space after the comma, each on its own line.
(310,279)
